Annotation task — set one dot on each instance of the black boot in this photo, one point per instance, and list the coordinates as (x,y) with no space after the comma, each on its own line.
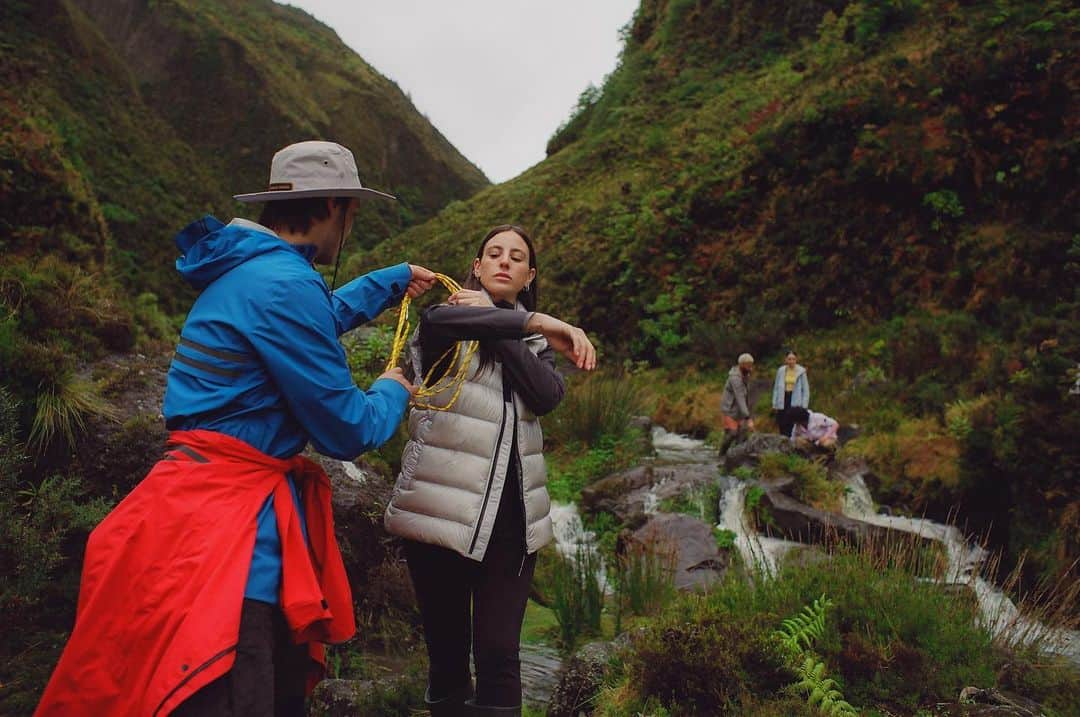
(485,711)
(453,705)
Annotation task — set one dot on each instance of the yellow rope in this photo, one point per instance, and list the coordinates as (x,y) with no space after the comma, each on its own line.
(455,379)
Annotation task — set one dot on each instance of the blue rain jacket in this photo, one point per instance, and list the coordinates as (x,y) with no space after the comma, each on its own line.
(259,358)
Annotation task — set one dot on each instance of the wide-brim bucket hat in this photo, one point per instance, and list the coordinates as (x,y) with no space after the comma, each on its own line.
(312,169)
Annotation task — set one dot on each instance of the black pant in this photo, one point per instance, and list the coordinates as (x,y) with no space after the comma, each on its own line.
(465,603)
(782,419)
(268,677)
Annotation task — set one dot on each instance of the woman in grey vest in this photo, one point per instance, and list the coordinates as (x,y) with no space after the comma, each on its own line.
(471,500)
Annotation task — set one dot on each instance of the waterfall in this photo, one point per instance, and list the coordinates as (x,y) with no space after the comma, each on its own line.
(757,551)
(677,448)
(998,613)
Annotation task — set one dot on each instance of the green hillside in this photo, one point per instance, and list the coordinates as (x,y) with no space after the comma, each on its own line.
(121,121)
(889,185)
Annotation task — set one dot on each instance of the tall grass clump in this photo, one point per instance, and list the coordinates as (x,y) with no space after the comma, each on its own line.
(593,409)
(61,410)
(577,595)
(643,578)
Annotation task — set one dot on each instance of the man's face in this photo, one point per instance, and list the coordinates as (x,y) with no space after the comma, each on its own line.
(329,232)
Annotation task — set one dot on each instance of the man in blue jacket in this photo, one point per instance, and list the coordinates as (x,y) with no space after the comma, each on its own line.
(259,360)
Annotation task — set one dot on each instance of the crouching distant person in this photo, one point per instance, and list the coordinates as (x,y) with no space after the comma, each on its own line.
(811,428)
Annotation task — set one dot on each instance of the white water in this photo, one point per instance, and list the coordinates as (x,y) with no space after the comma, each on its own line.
(677,448)
(756,551)
(354,472)
(997,612)
(571,536)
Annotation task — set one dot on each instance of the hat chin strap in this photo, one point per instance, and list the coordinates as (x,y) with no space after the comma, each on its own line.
(337,261)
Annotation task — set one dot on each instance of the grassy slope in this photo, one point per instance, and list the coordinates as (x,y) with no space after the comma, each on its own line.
(843,166)
(123,121)
(888,185)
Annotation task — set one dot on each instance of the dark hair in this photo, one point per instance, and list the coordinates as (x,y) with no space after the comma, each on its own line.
(531,293)
(797,414)
(297,215)
(791,352)
(528,296)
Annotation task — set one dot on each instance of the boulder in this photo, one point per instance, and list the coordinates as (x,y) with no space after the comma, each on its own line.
(979,702)
(806,524)
(382,590)
(348,698)
(699,562)
(638,492)
(579,681)
(614,493)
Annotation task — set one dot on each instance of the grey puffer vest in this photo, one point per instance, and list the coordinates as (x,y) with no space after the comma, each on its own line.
(454,466)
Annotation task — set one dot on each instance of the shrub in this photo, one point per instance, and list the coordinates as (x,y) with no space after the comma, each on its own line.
(700,657)
(812,484)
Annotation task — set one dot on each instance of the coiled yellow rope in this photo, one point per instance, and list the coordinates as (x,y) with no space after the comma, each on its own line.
(459,360)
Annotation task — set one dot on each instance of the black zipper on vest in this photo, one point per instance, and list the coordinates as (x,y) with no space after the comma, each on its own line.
(521,492)
(490,480)
(194,672)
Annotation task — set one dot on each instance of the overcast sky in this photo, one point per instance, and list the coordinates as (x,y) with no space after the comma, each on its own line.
(496,77)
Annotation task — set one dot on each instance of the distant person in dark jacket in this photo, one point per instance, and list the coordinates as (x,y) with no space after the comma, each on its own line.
(790,389)
(734,402)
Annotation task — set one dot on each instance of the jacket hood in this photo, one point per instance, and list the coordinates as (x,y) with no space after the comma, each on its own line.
(799,369)
(209,249)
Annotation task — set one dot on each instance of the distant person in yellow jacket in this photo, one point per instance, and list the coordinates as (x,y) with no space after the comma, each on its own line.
(791,389)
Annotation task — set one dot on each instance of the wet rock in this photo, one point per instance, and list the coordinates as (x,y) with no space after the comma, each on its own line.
(699,562)
(641,423)
(540,668)
(611,494)
(376,569)
(638,492)
(580,680)
(806,524)
(749,451)
(978,701)
(348,698)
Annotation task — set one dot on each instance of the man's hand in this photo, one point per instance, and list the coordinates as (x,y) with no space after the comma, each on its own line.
(469,297)
(750,424)
(396,374)
(422,280)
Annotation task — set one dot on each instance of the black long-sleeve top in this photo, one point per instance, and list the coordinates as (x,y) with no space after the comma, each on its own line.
(532,376)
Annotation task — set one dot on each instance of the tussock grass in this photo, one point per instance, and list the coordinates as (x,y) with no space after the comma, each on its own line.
(61,411)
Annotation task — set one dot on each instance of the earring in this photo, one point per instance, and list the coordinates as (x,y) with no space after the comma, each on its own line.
(528,286)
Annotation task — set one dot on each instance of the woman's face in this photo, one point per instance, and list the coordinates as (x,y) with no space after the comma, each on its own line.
(503,267)
(791,360)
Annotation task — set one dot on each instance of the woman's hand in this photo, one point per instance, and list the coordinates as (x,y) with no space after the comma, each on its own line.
(568,340)
(422,279)
(469,297)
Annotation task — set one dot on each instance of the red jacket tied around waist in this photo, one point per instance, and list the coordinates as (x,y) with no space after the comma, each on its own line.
(164,576)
